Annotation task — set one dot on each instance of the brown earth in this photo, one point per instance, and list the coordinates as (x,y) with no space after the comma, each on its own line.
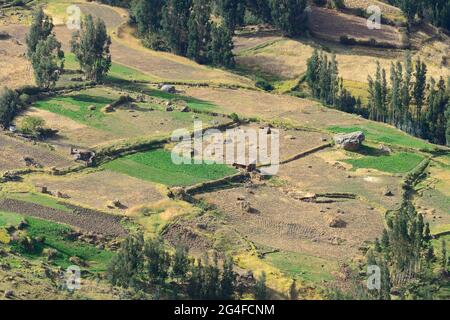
(79,218)
(98,189)
(278,221)
(331,25)
(14,149)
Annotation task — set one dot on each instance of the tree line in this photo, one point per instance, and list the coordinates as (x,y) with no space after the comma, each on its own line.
(147,267)
(405,100)
(90,45)
(435,11)
(202,30)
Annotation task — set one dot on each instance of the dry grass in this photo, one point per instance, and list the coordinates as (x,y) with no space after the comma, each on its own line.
(279,221)
(331,25)
(13,150)
(15,70)
(324,173)
(97,189)
(388,11)
(291,110)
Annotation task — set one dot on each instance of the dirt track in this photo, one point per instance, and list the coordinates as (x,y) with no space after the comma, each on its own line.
(80,218)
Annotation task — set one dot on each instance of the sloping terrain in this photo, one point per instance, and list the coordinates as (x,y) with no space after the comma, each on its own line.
(323,208)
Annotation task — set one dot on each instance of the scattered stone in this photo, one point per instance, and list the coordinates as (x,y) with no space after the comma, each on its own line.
(245,206)
(388,192)
(289,137)
(108,108)
(78,261)
(185,109)
(9,294)
(50,253)
(336,222)
(385,149)
(351,141)
(92,108)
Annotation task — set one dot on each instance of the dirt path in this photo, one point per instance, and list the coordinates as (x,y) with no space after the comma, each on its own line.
(80,218)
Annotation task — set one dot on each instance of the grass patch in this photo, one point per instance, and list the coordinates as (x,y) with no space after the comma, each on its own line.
(301,266)
(157,166)
(9,218)
(54,237)
(401,162)
(357,89)
(76,107)
(384,134)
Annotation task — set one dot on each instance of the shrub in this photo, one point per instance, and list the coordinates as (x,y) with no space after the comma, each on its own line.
(346,40)
(263,84)
(234,117)
(32,125)
(155,42)
(9,106)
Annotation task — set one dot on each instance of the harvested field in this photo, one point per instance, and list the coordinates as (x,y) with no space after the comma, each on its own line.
(331,25)
(79,218)
(251,103)
(99,189)
(388,11)
(320,173)
(15,69)
(15,149)
(291,143)
(254,36)
(278,221)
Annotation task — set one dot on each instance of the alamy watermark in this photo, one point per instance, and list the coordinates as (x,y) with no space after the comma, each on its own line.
(73,21)
(374,21)
(233,147)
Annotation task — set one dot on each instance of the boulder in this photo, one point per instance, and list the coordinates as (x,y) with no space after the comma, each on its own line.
(108,108)
(350,141)
(336,222)
(168,88)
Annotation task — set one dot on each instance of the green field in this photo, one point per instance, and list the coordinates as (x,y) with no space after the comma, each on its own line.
(383,134)
(118,72)
(302,266)
(157,166)
(76,107)
(54,237)
(401,162)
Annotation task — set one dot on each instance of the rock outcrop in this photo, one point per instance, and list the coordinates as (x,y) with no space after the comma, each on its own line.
(350,141)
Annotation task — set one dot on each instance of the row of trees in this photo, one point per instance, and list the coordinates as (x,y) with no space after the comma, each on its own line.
(188,27)
(409,267)
(90,46)
(322,76)
(406,256)
(409,102)
(146,266)
(435,11)
(406,100)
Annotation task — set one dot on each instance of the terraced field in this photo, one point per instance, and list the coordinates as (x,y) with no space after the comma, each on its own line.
(322,209)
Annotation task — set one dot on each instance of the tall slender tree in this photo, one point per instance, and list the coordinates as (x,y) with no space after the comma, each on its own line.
(41,27)
(199,31)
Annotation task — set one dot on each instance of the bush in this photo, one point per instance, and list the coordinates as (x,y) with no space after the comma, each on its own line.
(25,99)
(263,84)
(234,117)
(32,125)
(9,106)
(155,42)
(320,3)
(347,41)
